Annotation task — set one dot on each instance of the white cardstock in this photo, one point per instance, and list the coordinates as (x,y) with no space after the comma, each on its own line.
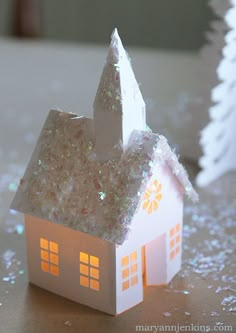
(96,196)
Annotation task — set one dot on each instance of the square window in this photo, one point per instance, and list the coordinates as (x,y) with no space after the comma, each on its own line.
(134,268)
(84,269)
(172,232)
(133,256)
(177,250)
(94,284)
(54,258)
(44,266)
(125,285)
(178,239)
(84,257)
(172,255)
(178,227)
(54,247)
(125,273)
(172,243)
(94,261)
(44,243)
(54,270)
(44,255)
(94,273)
(125,261)
(84,281)
(134,280)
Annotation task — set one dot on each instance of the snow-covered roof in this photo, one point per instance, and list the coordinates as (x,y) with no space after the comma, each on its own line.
(66,184)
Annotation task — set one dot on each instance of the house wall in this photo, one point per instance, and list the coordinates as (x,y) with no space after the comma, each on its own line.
(129,280)
(67,282)
(148,227)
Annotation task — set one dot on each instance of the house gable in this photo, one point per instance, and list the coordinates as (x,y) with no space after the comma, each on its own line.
(165,195)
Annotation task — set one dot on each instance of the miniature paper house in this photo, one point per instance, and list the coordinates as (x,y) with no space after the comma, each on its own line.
(103,199)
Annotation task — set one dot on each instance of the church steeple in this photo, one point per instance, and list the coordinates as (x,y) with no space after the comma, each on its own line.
(118,107)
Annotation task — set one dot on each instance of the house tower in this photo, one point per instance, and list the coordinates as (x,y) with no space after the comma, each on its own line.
(119,107)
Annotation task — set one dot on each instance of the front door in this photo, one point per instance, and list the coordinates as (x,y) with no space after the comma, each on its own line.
(155,262)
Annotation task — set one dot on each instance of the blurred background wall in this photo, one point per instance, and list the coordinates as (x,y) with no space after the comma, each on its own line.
(170,24)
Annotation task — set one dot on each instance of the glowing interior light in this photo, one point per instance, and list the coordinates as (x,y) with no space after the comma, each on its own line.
(89,271)
(125,285)
(84,281)
(133,256)
(44,243)
(172,255)
(134,268)
(49,256)
(84,257)
(134,280)
(125,261)
(129,274)
(125,273)
(94,273)
(54,247)
(94,261)
(94,284)
(44,266)
(172,232)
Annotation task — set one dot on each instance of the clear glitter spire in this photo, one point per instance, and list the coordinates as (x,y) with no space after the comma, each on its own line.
(119,107)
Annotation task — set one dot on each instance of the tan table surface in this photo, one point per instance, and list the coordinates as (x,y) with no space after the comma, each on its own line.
(36,76)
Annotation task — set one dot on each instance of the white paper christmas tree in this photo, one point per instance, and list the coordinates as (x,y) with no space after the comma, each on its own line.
(218,139)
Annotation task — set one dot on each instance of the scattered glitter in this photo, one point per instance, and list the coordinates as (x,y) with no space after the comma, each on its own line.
(232,309)
(67,323)
(229,300)
(12,187)
(214,314)
(11,267)
(102,195)
(187,313)
(176,291)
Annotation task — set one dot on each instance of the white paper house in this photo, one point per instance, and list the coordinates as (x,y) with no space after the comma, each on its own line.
(103,199)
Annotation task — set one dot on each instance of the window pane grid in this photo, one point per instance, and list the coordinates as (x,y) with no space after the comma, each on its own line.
(49,256)
(89,271)
(129,270)
(175,239)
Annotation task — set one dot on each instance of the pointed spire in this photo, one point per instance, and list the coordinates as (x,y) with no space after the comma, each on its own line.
(116,50)
(118,107)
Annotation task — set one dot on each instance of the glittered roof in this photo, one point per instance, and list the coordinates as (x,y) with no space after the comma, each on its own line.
(65,184)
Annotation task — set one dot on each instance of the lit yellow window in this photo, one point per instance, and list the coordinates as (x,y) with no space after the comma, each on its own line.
(172,243)
(177,250)
(134,280)
(172,255)
(175,240)
(49,256)
(125,261)
(172,232)
(125,285)
(84,281)
(125,273)
(133,256)
(89,271)
(84,257)
(94,284)
(134,268)
(178,226)
(129,272)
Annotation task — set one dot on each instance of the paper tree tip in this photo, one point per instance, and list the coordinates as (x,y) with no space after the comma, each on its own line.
(115,34)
